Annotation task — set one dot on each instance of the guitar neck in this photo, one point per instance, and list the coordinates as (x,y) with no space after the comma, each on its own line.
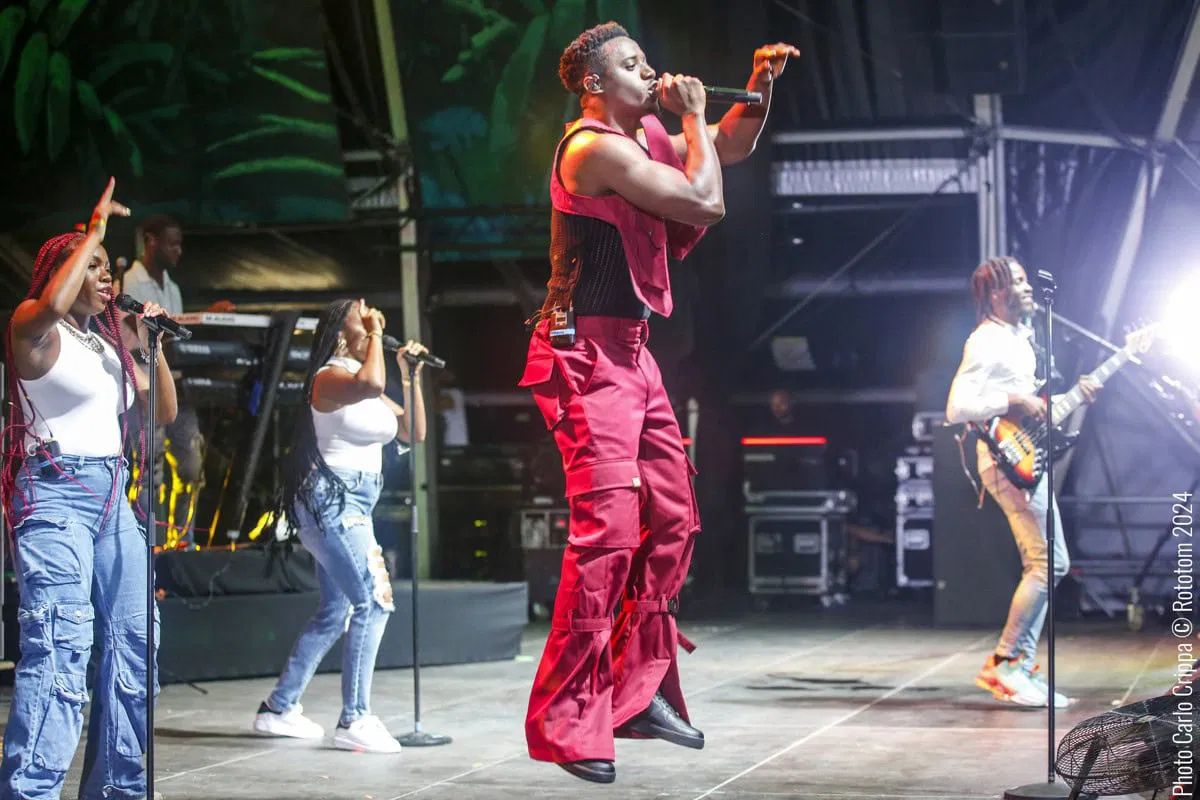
(1074,398)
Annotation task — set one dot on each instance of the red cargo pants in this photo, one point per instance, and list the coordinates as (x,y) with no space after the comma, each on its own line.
(633,518)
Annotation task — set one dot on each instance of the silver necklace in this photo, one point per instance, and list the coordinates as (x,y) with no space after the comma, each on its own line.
(90,340)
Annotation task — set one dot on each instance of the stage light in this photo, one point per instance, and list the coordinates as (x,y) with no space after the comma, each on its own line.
(1179,327)
(784,441)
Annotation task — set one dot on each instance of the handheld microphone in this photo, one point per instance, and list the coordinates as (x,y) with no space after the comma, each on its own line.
(393,345)
(164,323)
(727,96)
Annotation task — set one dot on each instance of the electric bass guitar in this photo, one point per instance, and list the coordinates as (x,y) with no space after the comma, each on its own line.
(1016,440)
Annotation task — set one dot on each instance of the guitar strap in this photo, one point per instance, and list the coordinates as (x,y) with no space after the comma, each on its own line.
(970,435)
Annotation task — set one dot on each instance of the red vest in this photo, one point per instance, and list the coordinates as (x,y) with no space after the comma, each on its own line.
(646,238)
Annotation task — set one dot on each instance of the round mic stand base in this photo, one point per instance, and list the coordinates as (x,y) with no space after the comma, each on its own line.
(1043,791)
(422,739)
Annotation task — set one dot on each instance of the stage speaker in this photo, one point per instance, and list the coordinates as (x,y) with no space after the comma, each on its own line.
(976,566)
(983,46)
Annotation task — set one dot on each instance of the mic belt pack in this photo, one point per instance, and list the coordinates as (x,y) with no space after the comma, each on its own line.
(42,457)
(562,328)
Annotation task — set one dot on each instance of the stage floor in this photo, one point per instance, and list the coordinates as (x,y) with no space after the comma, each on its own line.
(799,704)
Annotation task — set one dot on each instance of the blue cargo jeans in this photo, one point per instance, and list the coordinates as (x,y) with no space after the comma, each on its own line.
(81,568)
(356,595)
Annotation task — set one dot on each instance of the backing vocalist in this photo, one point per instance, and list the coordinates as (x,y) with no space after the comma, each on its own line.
(624,194)
(331,482)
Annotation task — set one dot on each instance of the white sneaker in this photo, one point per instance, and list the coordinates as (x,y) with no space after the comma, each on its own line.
(1042,685)
(1007,681)
(365,735)
(291,723)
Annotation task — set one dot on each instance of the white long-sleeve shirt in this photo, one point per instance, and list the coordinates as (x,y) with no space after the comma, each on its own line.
(998,360)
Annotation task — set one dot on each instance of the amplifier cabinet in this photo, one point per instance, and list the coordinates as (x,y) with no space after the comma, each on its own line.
(796,550)
(543,538)
(914,548)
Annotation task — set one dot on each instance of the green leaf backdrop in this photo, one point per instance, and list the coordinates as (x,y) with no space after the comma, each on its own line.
(216,110)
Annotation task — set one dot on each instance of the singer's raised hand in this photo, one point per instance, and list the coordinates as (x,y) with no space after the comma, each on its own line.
(105,208)
(769,61)
(681,94)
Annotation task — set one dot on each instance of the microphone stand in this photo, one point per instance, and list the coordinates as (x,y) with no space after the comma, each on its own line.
(1044,282)
(151,538)
(416,737)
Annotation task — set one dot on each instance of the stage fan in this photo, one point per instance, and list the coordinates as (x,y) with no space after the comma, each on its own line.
(1124,751)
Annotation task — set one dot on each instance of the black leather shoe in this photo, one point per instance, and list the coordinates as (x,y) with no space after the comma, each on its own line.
(594,770)
(661,721)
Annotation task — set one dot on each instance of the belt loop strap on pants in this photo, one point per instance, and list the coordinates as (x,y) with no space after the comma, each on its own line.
(576,624)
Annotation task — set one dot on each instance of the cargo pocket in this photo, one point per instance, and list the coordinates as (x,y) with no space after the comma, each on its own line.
(695,506)
(540,378)
(71,631)
(131,712)
(63,724)
(604,504)
(555,376)
(46,552)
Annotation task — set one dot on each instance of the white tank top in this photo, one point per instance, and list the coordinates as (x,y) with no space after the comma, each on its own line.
(79,400)
(353,436)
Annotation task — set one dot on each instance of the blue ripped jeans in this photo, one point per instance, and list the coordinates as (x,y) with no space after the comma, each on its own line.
(82,576)
(356,595)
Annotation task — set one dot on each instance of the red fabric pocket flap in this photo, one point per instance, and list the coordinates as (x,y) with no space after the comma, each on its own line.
(603,475)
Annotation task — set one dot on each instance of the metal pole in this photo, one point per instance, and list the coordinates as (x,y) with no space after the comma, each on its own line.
(410,285)
(151,538)
(1050,788)
(417,737)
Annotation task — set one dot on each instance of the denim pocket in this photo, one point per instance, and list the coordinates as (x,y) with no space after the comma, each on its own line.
(131,712)
(47,553)
(62,725)
(73,626)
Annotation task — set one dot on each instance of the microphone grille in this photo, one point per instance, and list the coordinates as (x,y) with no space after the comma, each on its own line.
(126,303)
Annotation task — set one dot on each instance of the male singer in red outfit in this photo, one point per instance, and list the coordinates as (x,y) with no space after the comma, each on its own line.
(624,194)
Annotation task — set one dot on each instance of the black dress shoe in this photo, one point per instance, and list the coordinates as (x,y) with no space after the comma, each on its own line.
(661,721)
(595,770)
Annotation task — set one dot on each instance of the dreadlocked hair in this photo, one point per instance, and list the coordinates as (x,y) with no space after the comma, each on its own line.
(52,255)
(303,466)
(582,56)
(993,275)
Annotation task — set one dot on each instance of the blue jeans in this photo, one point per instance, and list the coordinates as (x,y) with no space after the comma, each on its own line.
(82,576)
(356,595)
(1026,513)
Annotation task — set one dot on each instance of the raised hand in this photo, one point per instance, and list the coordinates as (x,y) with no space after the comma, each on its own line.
(372,318)
(106,207)
(769,61)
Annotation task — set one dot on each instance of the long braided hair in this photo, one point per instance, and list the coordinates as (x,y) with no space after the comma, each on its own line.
(50,257)
(993,275)
(303,466)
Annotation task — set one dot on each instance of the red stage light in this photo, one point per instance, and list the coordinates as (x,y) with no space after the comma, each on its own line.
(784,441)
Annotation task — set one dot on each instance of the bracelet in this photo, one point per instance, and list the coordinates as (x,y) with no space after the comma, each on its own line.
(374,333)
(142,356)
(98,225)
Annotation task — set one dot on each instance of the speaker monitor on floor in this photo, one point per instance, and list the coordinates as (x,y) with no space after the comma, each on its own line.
(976,566)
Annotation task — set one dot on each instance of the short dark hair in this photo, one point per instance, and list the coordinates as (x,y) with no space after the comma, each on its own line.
(993,275)
(158,224)
(582,56)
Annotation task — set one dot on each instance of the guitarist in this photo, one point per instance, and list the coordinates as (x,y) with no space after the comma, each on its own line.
(997,376)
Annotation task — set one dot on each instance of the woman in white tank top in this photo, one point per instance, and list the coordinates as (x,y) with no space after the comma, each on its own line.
(331,482)
(81,555)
